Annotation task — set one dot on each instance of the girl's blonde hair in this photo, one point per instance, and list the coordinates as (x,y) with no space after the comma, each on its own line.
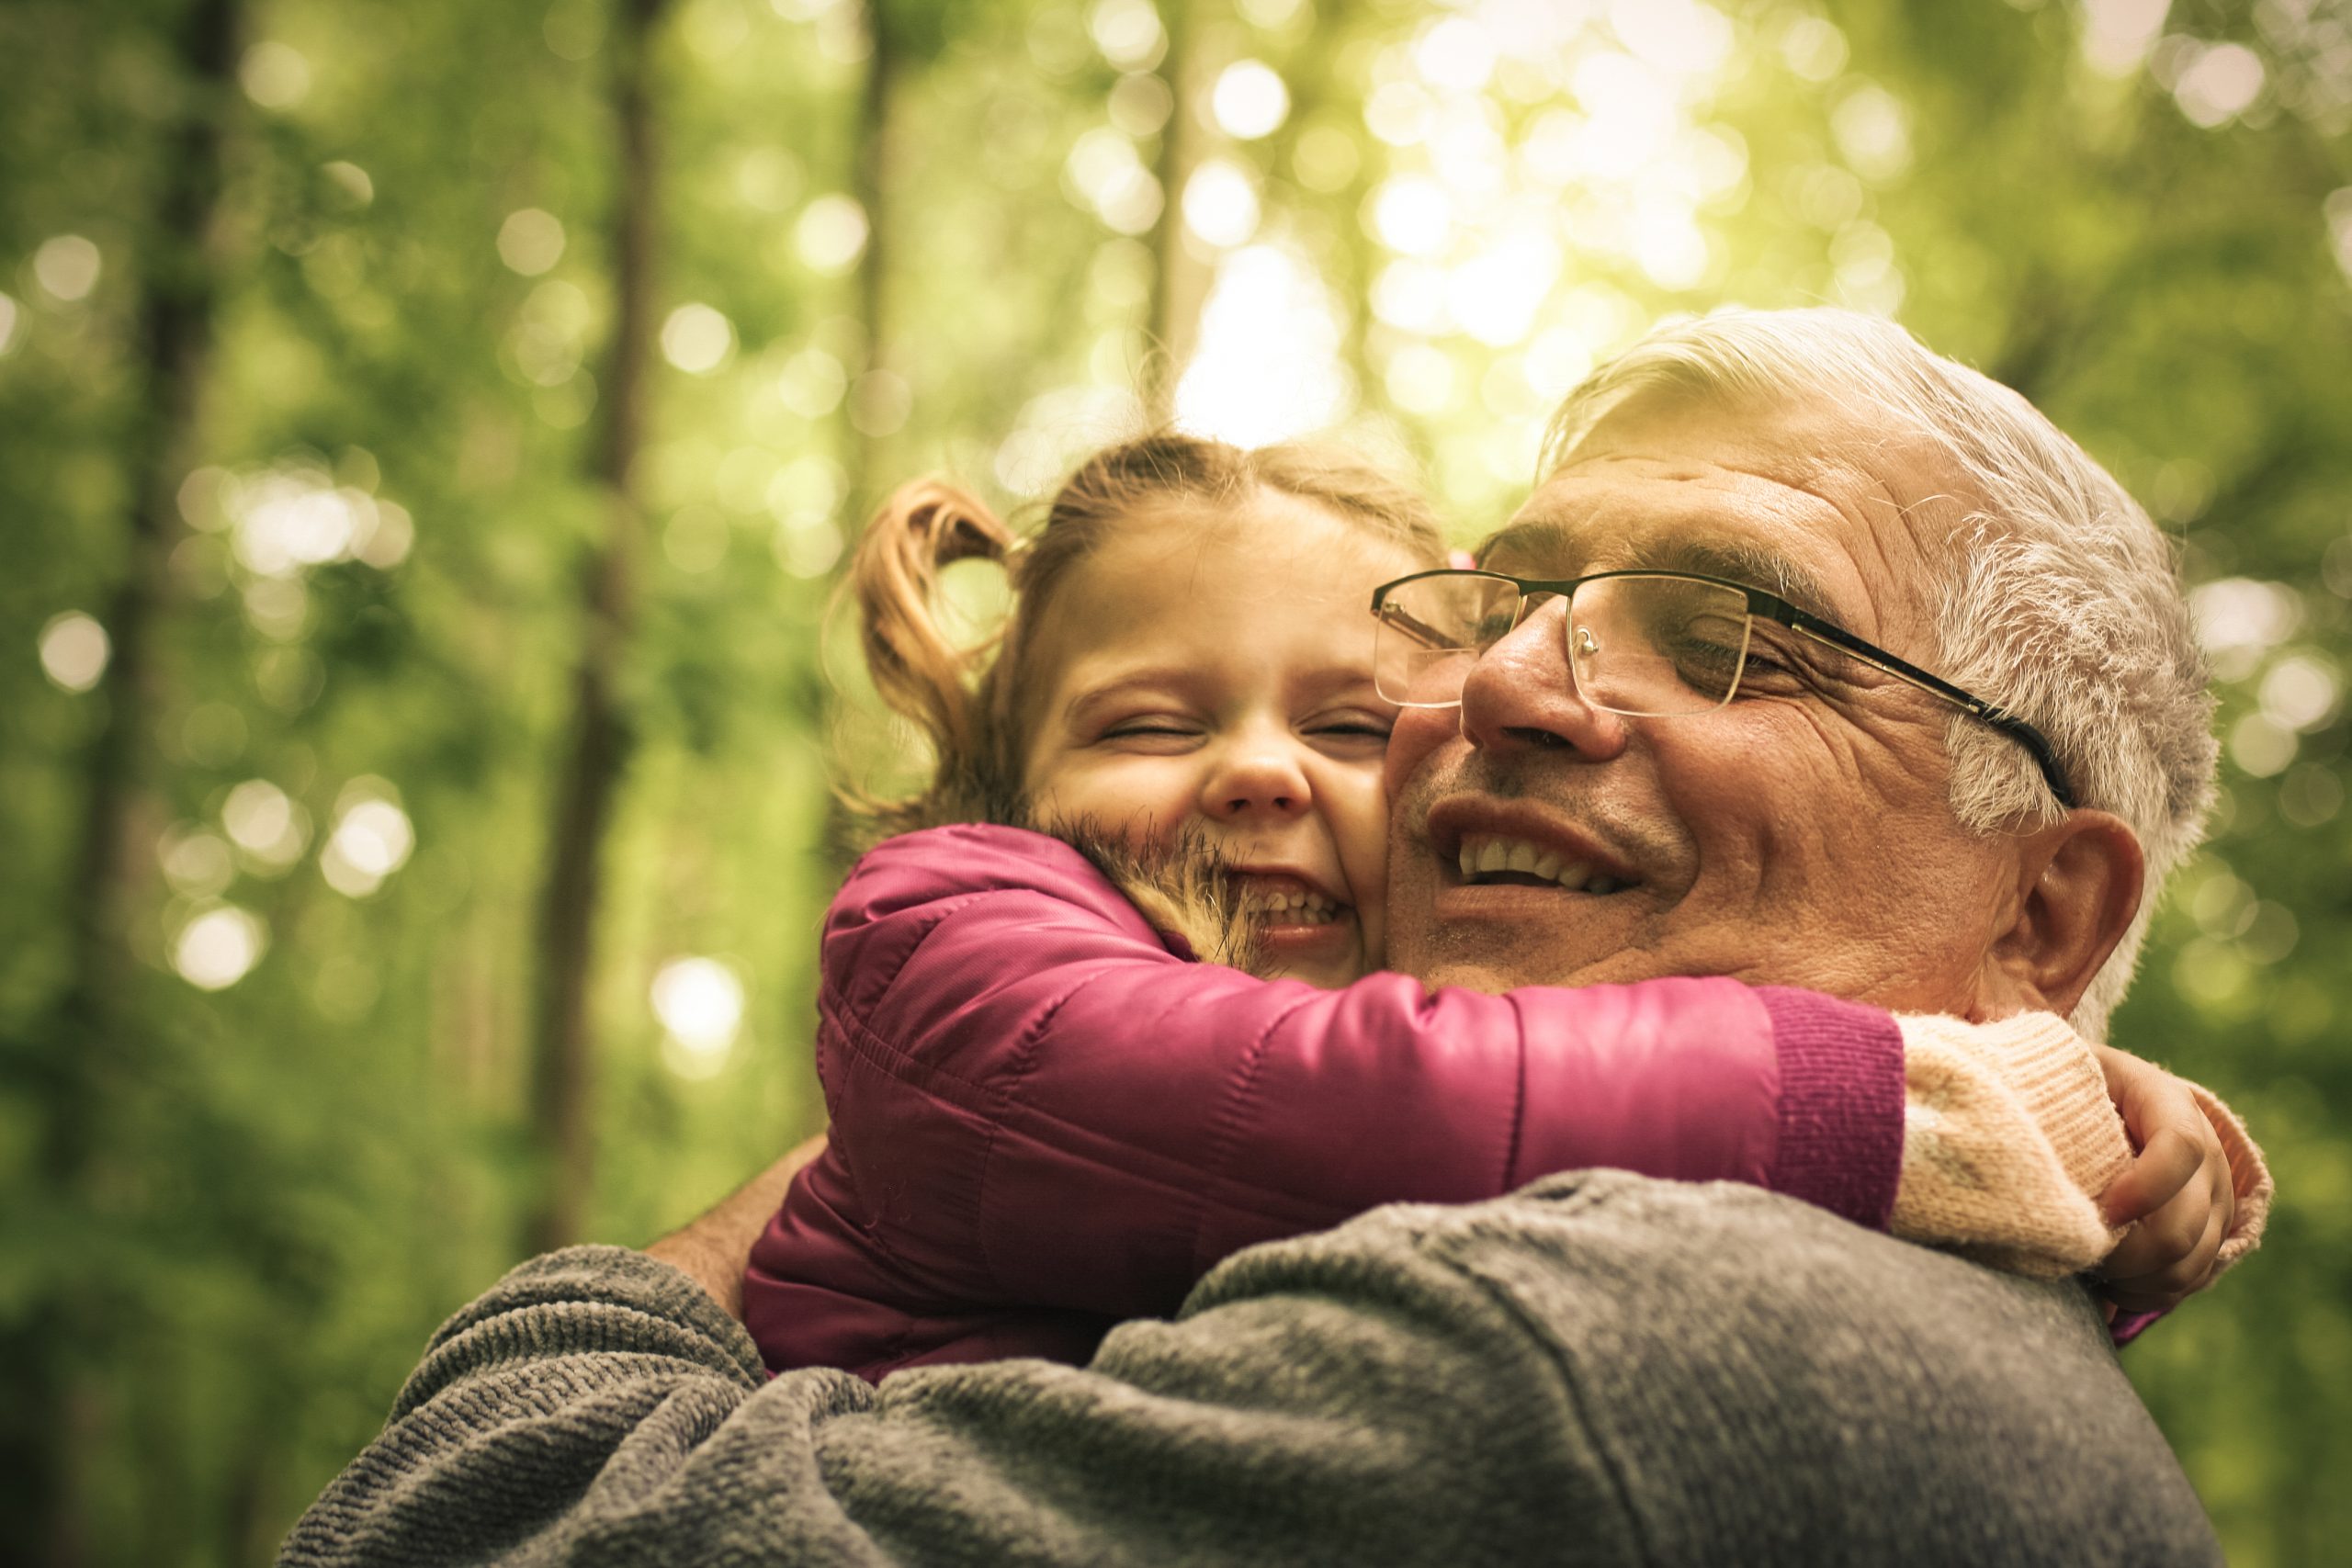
(965,697)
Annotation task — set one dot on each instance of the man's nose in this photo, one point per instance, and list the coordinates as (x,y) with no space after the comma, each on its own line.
(1256,776)
(1522,695)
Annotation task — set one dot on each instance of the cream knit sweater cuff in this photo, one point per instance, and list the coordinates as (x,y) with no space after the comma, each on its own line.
(2008,1138)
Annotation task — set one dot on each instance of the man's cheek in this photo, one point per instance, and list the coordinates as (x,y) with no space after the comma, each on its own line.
(1418,733)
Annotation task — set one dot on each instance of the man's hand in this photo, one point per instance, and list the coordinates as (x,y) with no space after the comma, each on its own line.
(2177,1195)
(713,1249)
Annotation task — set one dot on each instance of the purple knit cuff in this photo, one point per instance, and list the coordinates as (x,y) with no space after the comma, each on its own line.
(1841,1104)
(2129,1325)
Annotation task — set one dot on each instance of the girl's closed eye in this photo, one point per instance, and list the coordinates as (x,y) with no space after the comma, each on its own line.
(1352,730)
(1156,729)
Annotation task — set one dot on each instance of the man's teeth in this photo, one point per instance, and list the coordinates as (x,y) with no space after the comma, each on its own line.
(1291,909)
(1483,855)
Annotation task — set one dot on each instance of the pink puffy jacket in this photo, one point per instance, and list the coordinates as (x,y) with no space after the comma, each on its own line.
(1046,1118)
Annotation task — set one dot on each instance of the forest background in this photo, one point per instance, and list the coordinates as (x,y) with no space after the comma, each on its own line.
(428,428)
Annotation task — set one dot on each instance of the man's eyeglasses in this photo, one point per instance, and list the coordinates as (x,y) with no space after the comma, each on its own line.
(1649,644)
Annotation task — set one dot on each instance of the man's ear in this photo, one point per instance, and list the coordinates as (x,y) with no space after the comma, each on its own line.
(2078,887)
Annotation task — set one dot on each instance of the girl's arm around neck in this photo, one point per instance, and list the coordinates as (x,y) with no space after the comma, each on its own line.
(1040,1103)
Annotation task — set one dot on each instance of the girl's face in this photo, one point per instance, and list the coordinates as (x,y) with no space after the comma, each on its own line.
(1214,671)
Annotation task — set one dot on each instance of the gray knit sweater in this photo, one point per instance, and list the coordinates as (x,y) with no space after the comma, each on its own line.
(1601,1369)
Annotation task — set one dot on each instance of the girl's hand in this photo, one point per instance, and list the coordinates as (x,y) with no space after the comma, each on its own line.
(2177,1195)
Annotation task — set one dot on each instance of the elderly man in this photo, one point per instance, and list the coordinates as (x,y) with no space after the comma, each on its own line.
(1598,1369)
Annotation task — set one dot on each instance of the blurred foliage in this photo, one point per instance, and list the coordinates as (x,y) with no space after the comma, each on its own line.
(1420,222)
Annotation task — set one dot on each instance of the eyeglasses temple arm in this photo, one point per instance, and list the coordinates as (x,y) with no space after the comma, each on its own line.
(2026,735)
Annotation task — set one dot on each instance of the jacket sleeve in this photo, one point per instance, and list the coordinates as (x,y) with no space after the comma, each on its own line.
(1036,1101)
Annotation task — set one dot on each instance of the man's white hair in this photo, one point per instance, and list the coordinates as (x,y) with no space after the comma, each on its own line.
(2060,599)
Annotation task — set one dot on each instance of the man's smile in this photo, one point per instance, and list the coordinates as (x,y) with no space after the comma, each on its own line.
(1477,837)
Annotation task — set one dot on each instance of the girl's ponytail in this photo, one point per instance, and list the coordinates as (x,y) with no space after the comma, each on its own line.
(920,671)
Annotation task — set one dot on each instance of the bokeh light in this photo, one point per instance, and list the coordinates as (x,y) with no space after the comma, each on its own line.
(1412,214)
(195,862)
(1105,172)
(67,267)
(2336,210)
(1140,104)
(2118,34)
(574,29)
(1056,429)
(808,547)
(2221,82)
(1221,203)
(218,946)
(699,1002)
(2261,746)
(530,241)
(356,186)
(370,840)
(1250,100)
(2302,692)
(812,383)
(2239,619)
(1267,367)
(697,339)
(275,75)
(830,233)
(74,650)
(268,828)
(1127,32)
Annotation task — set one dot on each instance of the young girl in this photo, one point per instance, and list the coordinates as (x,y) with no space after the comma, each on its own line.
(1047,1116)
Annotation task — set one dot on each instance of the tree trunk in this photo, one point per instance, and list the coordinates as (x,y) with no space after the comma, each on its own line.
(52,1401)
(562,1125)
(1179,280)
(870,185)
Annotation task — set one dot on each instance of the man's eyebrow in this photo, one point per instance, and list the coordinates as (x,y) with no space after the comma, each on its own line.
(1538,536)
(1742,561)
(1737,560)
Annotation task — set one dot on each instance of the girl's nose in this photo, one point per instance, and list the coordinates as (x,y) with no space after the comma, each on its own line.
(1257,776)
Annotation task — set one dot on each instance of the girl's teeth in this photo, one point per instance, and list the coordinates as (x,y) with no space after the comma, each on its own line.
(1292,909)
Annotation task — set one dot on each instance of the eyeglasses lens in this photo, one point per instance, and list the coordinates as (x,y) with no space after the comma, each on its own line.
(1641,645)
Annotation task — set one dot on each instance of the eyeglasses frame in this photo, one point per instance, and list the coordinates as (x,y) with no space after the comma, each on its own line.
(1774,608)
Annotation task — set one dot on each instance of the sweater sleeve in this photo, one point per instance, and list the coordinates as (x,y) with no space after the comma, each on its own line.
(595,1407)
(1036,1103)
(1600,1369)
